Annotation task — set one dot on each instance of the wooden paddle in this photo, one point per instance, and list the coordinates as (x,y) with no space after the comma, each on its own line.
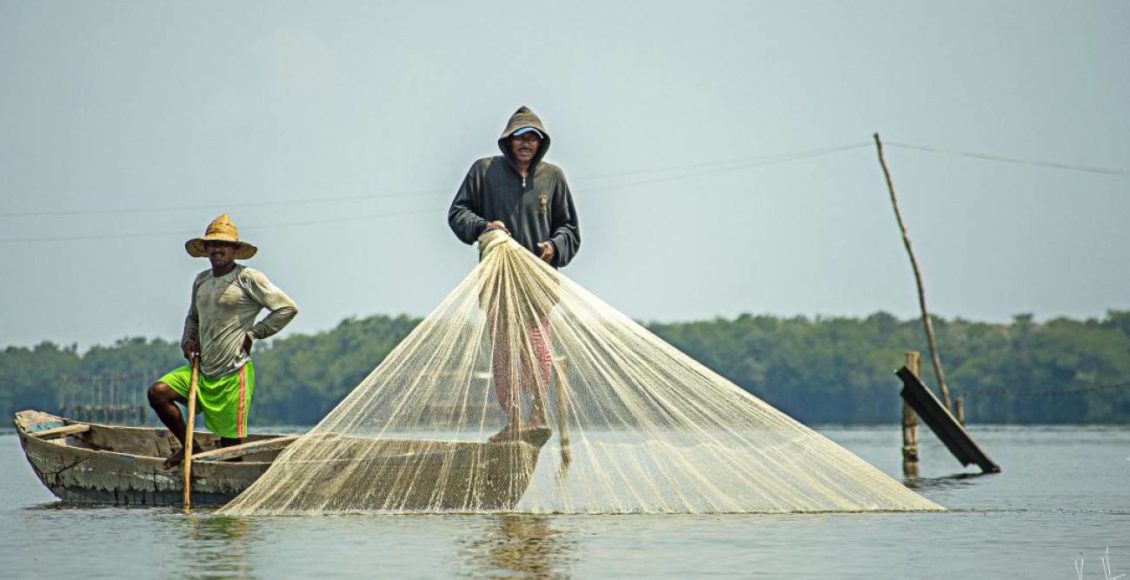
(188,432)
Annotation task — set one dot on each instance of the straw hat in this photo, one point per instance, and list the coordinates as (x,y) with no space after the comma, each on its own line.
(220,230)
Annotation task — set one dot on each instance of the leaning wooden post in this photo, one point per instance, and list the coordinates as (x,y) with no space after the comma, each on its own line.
(910,425)
(918,280)
(188,432)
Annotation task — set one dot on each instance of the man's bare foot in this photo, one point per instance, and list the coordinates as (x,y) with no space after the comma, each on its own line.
(178,457)
(174,460)
(535,435)
(508,433)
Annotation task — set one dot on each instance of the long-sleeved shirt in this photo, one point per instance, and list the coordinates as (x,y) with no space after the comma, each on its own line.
(222,311)
(539,210)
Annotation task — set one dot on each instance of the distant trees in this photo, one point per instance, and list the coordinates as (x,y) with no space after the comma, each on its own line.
(29,377)
(819,370)
(300,378)
(838,370)
(49,376)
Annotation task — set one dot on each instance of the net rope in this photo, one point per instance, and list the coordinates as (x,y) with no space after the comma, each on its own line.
(523,392)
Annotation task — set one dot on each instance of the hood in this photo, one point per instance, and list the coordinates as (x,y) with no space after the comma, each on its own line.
(522,118)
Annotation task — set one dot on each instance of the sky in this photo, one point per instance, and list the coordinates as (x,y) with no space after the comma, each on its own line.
(720,154)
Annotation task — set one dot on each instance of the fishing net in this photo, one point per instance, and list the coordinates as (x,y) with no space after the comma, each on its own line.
(523,392)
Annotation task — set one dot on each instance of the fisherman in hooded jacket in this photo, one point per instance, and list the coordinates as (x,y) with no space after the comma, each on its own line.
(519,192)
(528,198)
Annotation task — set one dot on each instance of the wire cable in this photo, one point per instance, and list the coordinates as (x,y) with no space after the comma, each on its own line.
(244,228)
(729,167)
(693,169)
(743,162)
(136,210)
(1014,160)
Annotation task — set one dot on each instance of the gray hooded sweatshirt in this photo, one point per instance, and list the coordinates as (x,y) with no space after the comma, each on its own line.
(536,209)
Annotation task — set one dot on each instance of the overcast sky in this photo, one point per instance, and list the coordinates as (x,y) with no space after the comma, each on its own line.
(336,133)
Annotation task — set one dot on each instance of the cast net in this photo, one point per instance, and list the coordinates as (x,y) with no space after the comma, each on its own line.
(523,392)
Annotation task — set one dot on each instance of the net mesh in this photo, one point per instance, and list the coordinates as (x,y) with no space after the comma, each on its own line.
(523,392)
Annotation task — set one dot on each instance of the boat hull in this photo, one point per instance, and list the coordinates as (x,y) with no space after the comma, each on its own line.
(403,475)
(124,465)
(89,463)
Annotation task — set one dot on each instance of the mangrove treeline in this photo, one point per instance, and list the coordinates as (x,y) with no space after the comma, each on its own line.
(818,370)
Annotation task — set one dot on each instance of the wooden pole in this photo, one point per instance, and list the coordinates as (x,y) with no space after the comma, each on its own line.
(563,419)
(910,425)
(918,280)
(188,432)
(960,408)
(98,408)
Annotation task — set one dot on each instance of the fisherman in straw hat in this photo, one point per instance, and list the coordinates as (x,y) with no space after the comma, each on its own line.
(221,327)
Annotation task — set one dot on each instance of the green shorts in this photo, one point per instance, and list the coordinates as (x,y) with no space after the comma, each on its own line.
(224,400)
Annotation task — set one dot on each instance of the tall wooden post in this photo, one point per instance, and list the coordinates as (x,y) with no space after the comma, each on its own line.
(910,425)
(918,279)
(563,418)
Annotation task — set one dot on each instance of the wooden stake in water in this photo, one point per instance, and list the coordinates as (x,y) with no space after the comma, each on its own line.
(910,425)
(188,432)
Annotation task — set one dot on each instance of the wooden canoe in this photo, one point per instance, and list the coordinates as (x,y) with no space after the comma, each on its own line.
(109,464)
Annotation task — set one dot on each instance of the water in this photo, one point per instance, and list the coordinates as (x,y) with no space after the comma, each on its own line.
(1064,494)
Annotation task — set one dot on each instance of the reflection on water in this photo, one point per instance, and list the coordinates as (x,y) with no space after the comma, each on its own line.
(56,505)
(521,545)
(957,480)
(217,546)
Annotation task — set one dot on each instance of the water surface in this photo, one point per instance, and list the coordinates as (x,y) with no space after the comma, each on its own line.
(1064,493)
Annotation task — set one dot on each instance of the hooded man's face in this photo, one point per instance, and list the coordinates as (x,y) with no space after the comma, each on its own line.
(525,146)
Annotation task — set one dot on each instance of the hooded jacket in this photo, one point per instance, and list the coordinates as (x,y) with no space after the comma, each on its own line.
(536,209)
